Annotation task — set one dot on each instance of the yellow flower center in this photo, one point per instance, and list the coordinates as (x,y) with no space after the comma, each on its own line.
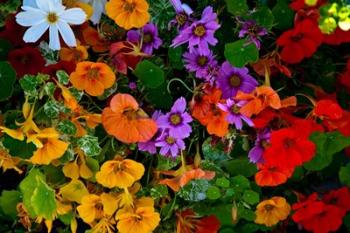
(181,19)
(175,119)
(119,168)
(93,73)
(52,17)
(199,30)
(269,207)
(235,81)
(235,109)
(147,38)
(129,7)
(202,60)
(170,140)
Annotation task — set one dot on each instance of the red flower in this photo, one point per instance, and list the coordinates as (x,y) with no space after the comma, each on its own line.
(300,4)
(338,37)
(189,222)
(342,124)
(340,198)
(272,175)
(13,32)
(289,148)
(26,60)
(51,70)
(300,42)
(329,109)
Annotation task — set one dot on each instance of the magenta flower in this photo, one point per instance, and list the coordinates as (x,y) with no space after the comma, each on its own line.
(232,79)
(234,116)
(170,146)
(200,33)
(150,146)
(253,31)
(256,153)
(200,63)
(183,14)
(176,121)
(150,39)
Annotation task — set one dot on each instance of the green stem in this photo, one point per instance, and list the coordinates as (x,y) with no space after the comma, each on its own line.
(180,81)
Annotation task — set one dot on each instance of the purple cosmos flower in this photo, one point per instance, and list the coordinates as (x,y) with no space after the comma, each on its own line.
(232,79)
(150,145)
(170,146)
(150,39)
(200,63)
(176,120)
(256,153)
(200,33)
(183,14)
(253,31)
(234,116)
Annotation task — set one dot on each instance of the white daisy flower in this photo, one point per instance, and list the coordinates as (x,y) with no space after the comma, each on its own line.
(99,8)
(52,15)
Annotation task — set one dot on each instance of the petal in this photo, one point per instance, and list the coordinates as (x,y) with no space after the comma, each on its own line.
(43,5)
(35,32)
(66,33)
(30,18)
(54,42)
(73,16)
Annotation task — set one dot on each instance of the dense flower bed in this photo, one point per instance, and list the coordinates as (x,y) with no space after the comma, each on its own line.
(140,116)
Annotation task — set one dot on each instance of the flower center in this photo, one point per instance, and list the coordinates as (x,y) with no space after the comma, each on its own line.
(202,60)
(269,207)
(52,17)
(147,38)
(129,7)
(181,19)
(175,119)
(118,168)
(99,206)
(264,144)
(235,109)
(288,143)
(199,30)
(253,29)
(235,81)
(297,37)
(170,140)
(93,73)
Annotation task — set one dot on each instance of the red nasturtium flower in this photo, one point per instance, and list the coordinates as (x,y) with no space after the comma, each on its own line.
(328,109)
(26,60)
(51,70)
(272,175)
(300,42)
(126,121)
(188,222)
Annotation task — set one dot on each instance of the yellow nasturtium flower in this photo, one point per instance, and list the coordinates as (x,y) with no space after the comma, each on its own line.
(270,212)
(121,173)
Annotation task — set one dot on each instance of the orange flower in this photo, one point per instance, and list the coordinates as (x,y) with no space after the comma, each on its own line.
(119,173)
(261,98)
(75,55)
(206,111)
(8,162)
(128,13)
(270,175)
(270,212)
(126,121)
(92,77)
(93,38)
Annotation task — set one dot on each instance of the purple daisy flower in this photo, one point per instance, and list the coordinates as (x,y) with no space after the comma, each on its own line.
(200,33)
(199,63)
(256,153)
(232,79)
(150,39)
(183,14)
(170,146)
(253,31)
(234,116)
(176,120)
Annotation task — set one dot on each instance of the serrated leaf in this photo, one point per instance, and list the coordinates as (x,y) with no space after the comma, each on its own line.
(8,202)
(251,197)
(67,127)
(239,53)
(29,84)
(7,80)
(237,7)
(52,109)
(63,77)
(49,88)
(43,200)
(150,74)
(344,175)
(89,144)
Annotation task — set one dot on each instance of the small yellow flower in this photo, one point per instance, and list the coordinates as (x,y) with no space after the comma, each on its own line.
(8,162)
(270,212)
(119,173)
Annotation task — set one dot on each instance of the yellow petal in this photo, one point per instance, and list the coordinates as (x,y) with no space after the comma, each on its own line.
(13,133)
(110,203)
(71,170)
(85,171)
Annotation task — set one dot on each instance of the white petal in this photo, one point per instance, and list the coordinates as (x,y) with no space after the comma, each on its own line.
(66,33)
(73,16)
(35,32)
(31,3)
(54,42)
(99,7)
(30,18)
(43,5)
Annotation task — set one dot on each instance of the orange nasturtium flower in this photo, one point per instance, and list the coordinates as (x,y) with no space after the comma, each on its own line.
(126,121)
(121,173)
(92,77)
(128,13)
(141,219)
(8,162)
(270,212)
(76,54)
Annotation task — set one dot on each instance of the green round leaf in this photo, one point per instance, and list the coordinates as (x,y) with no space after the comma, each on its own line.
(251,197)
(213,193)
(7,79)
(237,7)
(263,17)
(284,14)
(150,75)
(239,53)
(222,182)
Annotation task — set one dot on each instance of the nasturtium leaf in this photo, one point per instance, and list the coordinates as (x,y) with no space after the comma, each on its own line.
(195,190)
(240,183)
(150,74)
(327,145)
(175,57)
(7,80)
(29,83)
(92,164)
(66,218)
(52,109)
(344,175)
(222,182)
(49,88)
(240,53)
(67,127)
(53,174)
(283,14)
(213,153)
(165,163)
(62,77)
(263,17)
(237,7)
(8,202)
(159,191)
(43,200)
(89,144)
(159,96)
(240,166)
(19,148)
(251,197)
(213,193)
(223,211)
(245,213)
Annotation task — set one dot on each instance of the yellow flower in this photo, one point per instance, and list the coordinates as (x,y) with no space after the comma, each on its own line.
(141,219)
(77,168)
(74,191)
(270,212)
(8,162)
(119,173)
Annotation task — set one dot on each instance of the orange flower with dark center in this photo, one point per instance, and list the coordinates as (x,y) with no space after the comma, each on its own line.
(128,13)
(92,77)
(272,175)
(126,121)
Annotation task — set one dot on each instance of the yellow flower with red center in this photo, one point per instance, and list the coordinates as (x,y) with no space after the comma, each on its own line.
(141,219)
(121,173)
(270,212)
(92,77)
(128,13)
